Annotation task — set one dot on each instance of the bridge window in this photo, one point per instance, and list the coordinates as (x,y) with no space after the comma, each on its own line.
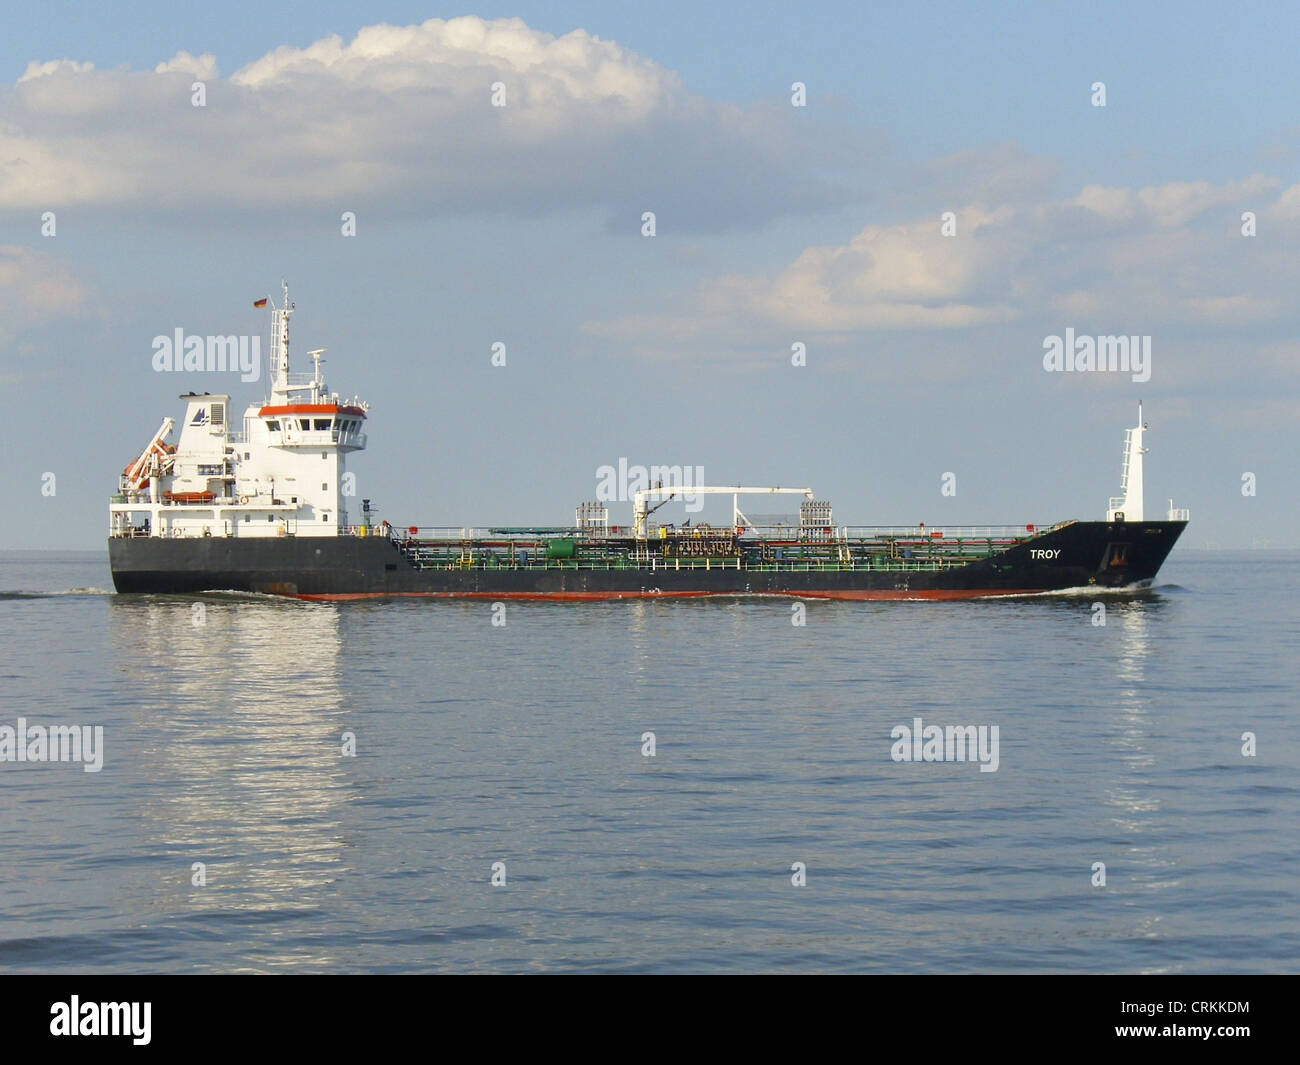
(322,424)
(274,426)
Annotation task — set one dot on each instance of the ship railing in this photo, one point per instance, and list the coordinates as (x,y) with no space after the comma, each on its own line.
(529,554)
(941,532)
(306,436)
(300,436)
(815,534)
(439,532)
(792,534)
(426,559)
(530,536)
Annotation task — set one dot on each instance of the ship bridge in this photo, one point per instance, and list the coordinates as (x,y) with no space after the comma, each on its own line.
(283,473)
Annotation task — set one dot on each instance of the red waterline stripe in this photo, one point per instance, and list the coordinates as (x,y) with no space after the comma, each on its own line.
(929,594)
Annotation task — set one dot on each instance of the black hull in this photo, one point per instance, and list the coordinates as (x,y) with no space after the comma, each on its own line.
(1100,554)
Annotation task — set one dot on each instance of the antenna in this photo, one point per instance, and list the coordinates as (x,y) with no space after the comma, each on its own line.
(317,379)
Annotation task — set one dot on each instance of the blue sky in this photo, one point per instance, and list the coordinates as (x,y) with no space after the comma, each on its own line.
(775,225)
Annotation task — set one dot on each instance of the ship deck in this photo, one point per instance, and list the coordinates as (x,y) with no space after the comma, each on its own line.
(843,549)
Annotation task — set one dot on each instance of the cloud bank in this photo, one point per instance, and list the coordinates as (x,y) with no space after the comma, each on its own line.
(1171,256)
(401,119)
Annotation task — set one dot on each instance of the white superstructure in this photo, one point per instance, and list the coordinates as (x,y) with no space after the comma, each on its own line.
(282,473)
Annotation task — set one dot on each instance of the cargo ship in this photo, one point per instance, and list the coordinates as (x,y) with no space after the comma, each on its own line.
(269,507)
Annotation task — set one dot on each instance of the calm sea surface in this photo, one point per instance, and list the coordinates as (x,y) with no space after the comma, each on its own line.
(223,719)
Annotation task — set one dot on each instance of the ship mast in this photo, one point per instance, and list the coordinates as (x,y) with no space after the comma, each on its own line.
(280,338)
(1128,507)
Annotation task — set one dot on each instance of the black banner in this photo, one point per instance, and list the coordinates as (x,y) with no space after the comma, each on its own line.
(1227,1014)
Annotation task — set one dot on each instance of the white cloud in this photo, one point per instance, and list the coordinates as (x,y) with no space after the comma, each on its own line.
(457,56)
(887,276)
(202,67)
(54,66)
(400,119)
(35,288)
(1165,258)
(1171,205)
(1287,207)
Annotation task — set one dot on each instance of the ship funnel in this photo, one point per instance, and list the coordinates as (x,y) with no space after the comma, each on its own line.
(1128,506)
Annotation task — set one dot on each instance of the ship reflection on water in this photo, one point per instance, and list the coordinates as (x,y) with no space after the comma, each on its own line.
(1129,729)
(1137,818)
(240,709)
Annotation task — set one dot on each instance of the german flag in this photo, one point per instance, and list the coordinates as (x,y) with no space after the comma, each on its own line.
(259,303)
